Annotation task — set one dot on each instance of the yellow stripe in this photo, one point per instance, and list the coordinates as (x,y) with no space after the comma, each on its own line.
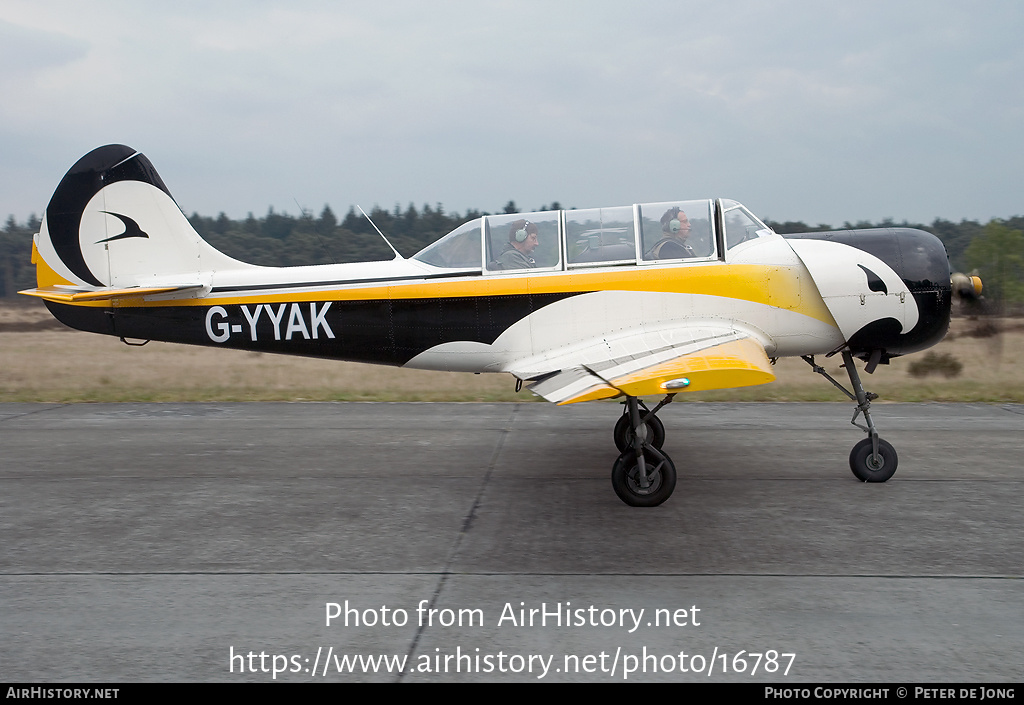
(779,286)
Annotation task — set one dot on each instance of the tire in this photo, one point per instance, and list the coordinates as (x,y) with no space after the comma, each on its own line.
(623,432)
(862,467)
(661,474)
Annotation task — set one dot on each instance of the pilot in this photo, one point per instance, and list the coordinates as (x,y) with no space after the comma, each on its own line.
(522,241)
(675,229)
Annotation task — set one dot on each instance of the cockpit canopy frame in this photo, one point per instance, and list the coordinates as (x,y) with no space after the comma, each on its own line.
(702,230)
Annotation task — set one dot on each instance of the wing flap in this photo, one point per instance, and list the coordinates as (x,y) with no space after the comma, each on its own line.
(572,385)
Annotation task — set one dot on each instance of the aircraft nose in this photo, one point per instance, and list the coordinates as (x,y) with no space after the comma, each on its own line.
(920,260)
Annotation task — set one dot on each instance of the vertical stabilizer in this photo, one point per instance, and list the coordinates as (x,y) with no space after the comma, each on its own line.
(113,223)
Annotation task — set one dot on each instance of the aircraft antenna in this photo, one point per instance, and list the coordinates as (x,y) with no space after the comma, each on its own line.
(397,255)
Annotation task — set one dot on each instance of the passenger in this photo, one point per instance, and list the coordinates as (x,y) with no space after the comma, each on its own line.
(522,241)
(675,228)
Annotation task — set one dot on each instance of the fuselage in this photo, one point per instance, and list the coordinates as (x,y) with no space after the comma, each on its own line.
(509,292)
(406,312)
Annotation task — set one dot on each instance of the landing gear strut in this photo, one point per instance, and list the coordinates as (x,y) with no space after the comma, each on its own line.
(873,459)
(642,476)
(653,428)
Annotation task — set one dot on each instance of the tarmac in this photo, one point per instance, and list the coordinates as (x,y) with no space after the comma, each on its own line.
(351,542)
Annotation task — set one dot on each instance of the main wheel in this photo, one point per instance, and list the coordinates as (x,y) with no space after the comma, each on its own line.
(661,478)
(869,470)
(624,431)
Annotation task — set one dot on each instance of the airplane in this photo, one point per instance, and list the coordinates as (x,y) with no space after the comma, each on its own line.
(633,301)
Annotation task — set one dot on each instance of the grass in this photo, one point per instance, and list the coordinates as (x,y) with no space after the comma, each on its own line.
(42,361)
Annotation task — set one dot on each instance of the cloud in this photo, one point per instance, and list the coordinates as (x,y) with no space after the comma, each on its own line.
(809,110)
(25,51)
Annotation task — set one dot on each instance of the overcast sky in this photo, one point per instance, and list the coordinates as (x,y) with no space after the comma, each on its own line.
(802,109)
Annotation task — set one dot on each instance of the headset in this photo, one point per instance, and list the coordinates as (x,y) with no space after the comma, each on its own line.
(521,233)
(674,225)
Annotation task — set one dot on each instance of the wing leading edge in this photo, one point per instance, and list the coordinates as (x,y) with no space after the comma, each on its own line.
(697,359)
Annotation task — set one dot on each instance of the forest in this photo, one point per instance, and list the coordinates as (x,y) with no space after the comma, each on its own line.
(995,250)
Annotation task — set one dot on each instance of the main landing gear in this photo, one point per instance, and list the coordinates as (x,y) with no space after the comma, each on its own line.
(642,476)
(873,459)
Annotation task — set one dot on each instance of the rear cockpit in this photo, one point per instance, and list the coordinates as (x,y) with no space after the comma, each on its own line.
(642,234)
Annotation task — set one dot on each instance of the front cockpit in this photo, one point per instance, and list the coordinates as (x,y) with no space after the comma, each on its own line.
(642,234)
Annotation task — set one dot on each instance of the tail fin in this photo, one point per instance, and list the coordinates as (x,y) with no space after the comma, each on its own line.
(113,225)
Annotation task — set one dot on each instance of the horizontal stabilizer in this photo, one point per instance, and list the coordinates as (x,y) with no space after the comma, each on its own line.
(72,294)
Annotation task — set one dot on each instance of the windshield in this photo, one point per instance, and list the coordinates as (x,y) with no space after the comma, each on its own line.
(740,224)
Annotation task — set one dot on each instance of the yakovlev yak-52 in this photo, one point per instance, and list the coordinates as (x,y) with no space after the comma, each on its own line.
(632,301)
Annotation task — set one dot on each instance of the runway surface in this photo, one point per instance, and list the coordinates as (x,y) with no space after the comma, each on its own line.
(209,542)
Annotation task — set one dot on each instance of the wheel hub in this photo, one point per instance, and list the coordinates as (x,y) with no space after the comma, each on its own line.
(653,481)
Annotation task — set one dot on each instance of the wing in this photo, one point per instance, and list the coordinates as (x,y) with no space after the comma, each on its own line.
(688,358)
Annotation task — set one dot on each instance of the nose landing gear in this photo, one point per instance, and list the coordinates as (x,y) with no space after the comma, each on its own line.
(872,459)
(869,465)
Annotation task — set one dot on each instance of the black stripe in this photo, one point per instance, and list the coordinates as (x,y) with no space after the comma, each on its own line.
(385,331)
